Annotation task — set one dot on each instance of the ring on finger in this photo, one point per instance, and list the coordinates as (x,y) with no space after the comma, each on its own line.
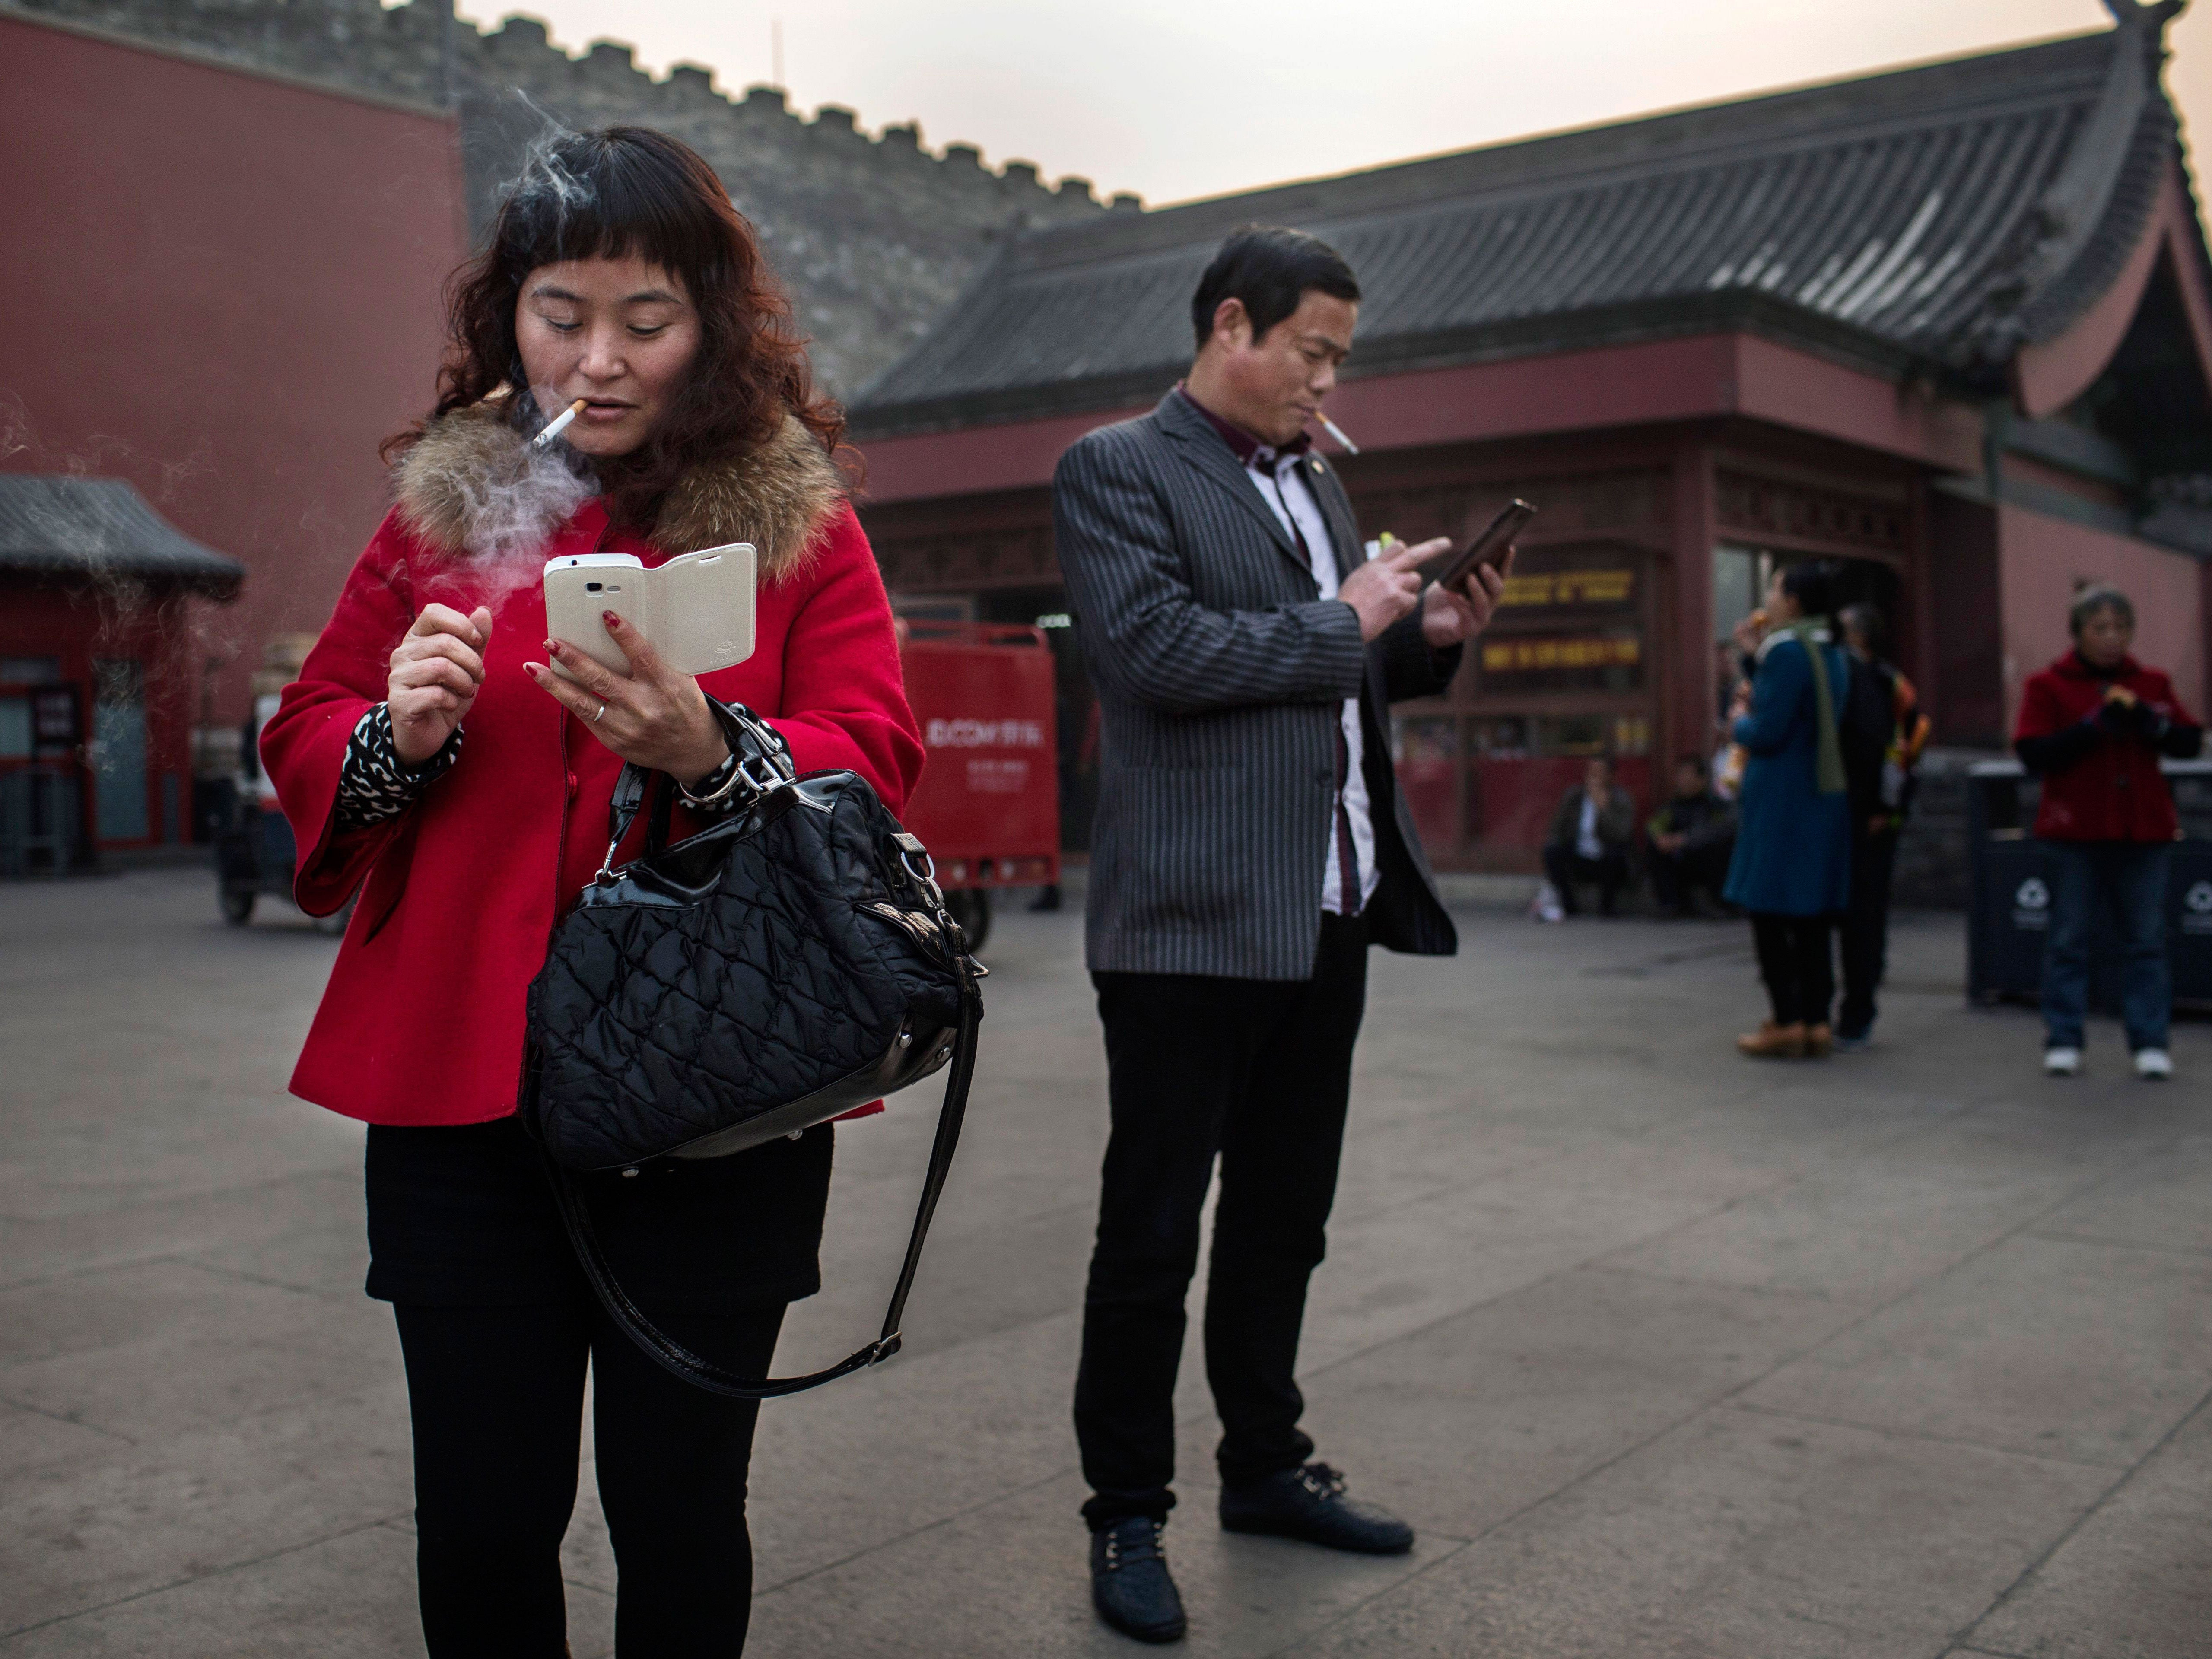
(595,719)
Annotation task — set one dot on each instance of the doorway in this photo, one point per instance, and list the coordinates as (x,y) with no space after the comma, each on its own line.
(119,749)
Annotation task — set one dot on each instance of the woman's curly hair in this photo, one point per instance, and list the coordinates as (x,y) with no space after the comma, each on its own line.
(614,193)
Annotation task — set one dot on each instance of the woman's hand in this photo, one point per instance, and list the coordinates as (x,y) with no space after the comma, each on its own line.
(1748,632)
(653,716)
(435,675)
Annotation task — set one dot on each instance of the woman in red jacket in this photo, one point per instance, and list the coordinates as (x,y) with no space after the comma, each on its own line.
(428,749)
(2094,724)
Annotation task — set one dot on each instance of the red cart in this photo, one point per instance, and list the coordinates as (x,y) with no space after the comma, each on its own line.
(988,804)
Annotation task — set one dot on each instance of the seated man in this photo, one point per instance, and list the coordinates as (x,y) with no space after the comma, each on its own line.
(1589,836)
(1690,836)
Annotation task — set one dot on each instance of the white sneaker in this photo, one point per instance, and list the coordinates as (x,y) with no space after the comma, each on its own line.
(2061,1062)
(1546,906)
(2154,1063)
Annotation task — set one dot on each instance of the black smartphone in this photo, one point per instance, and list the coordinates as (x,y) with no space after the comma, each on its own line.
(1452,568)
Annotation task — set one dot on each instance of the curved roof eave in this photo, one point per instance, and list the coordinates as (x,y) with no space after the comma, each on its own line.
(102,529)
(1928,223)
(2089,223)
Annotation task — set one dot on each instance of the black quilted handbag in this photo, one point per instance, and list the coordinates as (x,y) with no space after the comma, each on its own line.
(791,962)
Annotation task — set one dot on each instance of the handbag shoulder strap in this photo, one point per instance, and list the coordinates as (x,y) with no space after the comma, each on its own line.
(704,1373)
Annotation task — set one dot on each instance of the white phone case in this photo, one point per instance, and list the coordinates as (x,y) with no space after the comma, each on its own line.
(696,609)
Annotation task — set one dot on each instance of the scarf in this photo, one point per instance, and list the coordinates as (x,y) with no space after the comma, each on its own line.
(1828,762)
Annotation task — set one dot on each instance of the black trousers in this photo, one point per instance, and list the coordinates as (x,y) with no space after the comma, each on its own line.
(1793,959)
(1565,867)
(1675,877)
(1258,1073)
(498,1327)
(496,1396)
(1865,930)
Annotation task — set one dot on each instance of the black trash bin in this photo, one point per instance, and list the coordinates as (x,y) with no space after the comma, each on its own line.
(2011,892)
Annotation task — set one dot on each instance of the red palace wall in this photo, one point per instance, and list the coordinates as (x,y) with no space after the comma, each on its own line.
(224,287)
(2042,561)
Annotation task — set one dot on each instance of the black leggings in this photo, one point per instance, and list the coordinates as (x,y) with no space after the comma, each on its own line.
(1793,961)
(497,1398)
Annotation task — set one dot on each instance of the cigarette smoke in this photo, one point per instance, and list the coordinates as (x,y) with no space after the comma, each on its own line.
(510,510)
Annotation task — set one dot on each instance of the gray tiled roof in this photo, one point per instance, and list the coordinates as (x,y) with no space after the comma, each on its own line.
(1939,215)
(101,527)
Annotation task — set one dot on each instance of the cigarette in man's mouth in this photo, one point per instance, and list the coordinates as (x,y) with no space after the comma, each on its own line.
(559,424)
(1336,432)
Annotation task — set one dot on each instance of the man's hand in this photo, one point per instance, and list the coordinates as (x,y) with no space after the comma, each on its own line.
(435,673)
(1382,590)
(1450,616)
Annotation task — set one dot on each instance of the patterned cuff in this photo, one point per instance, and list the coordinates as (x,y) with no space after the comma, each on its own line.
(375,784)
(706,796)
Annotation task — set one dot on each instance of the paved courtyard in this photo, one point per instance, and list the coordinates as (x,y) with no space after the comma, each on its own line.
(1664,1353)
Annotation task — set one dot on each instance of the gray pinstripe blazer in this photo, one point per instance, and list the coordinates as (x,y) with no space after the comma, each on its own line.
(1220,673)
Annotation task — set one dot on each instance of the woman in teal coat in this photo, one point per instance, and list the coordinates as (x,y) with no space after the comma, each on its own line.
(1792,866)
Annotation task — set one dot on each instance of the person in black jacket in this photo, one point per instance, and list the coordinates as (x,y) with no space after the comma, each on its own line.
(1691,838)
(1881,730)
(1589,840)
(1251,844)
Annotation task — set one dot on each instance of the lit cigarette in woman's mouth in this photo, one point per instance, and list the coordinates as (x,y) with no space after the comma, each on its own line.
(559,424)
(1336,432)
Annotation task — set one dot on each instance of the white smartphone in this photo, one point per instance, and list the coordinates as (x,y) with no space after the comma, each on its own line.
(696,609)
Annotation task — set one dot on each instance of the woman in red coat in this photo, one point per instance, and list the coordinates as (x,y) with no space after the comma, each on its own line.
(428,751)
(2093,724)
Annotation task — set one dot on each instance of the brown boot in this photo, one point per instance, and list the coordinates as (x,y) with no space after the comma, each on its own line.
(1819,1041)
(1772,1041)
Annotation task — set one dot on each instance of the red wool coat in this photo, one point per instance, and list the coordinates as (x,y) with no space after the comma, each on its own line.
(421,1022)
(2116,792)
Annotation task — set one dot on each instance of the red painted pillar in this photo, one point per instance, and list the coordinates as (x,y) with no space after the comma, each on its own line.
(1687,717)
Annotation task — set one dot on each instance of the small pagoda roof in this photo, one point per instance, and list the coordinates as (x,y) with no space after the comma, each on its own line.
(1936,219)
(101,528)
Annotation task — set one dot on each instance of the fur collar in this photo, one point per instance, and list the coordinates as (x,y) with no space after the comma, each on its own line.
(469,488)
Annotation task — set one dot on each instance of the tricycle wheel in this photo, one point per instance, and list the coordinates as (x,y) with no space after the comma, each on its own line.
(237,906)
(971,909)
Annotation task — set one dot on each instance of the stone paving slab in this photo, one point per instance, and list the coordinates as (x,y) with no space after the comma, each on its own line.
(1470,1421)
(2131,1583)
(2051,1346)
(101,1526)
(997,1581)
(1895,1215)
(2164,1203)
(1664,1351)
(1738,1533)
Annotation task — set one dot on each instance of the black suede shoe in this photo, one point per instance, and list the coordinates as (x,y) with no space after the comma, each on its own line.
(1129,1582)
(1309,1504)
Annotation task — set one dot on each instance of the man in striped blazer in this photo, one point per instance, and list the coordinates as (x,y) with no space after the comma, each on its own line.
(1250,843)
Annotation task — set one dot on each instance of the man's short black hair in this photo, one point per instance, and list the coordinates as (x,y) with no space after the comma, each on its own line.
(1864,619)
(1270,269)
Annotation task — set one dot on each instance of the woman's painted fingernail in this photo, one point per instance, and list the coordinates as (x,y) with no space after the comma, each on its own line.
(552,648)
(612,619)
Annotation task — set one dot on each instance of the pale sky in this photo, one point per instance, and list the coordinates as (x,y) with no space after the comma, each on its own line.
(1176,99)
